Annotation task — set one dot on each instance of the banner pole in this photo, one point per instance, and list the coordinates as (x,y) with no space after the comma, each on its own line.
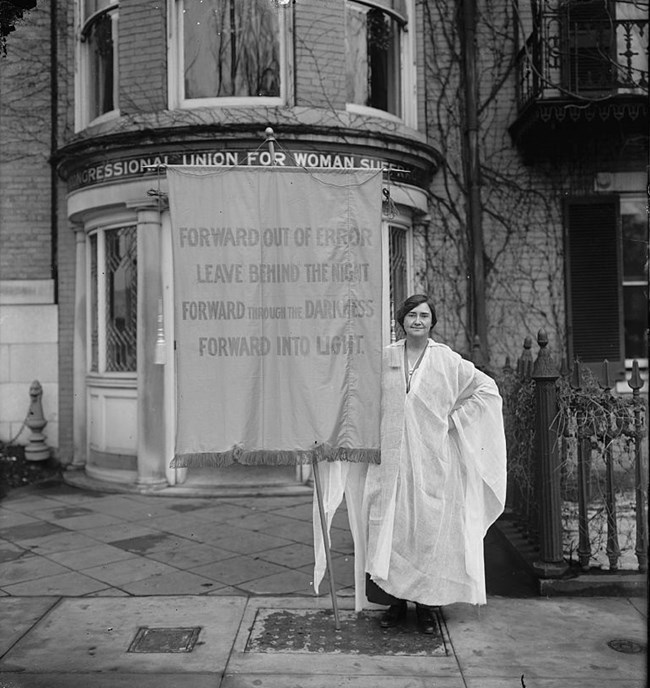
(326,543)
(270,139)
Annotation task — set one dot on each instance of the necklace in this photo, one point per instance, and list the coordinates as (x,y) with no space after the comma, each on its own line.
(410,369)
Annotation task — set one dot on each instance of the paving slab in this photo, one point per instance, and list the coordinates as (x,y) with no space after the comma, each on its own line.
(548,639)
(18,615)
(9,551)
(174,583)
(93,635)
(336,680)
(120,531)
(27,568)
(14,518)
(62,541)
(236,570)
(283,583)
(531,682)
(87,557)
(119,573)
(72,584)
(28,503)
(186,555)
(108,680)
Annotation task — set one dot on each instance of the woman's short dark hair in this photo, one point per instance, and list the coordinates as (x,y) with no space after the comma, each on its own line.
(413,302)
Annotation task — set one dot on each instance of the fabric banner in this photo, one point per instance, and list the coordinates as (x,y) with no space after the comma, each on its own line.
(277,293)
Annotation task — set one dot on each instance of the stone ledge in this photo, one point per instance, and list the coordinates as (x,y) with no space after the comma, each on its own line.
(574,583)
(78,478)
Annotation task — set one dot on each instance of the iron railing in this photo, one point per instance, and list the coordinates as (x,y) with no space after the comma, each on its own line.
(577,464)
(569,57)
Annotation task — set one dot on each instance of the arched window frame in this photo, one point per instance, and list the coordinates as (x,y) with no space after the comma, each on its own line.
(89,14)
(403,14)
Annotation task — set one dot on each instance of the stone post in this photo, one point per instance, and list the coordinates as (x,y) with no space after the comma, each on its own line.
(151,388)
(79,413)
(551,563)
(36,449)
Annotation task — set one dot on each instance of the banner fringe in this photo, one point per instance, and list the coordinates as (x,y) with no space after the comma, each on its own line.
(274,457)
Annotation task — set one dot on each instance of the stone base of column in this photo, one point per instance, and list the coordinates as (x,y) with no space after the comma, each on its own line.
(546,569)
(145,485)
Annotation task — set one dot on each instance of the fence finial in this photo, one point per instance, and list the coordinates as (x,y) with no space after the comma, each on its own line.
(525,361)
(576,375)
(544,366)
(636,381)
(607,380)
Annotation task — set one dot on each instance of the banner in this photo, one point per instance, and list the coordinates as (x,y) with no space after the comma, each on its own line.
(277,292)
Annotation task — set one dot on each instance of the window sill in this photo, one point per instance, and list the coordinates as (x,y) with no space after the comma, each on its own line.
(196,103)
(354,109)
(102,119)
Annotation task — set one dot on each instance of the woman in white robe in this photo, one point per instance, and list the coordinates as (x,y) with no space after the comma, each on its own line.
(442,478)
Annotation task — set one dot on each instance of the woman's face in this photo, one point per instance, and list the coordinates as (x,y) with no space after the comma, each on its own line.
(417,323)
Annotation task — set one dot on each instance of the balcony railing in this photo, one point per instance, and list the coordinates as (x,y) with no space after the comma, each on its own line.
(583,59)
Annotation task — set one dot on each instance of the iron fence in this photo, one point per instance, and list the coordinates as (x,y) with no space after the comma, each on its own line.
(577,463)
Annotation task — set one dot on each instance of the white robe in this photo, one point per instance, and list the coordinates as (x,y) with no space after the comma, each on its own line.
(441,482)
(419,518)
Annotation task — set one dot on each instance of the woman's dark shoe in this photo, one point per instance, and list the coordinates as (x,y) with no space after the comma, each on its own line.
(426,619)
(393,615)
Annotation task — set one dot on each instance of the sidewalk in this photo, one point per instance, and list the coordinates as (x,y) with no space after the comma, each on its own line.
(106,590)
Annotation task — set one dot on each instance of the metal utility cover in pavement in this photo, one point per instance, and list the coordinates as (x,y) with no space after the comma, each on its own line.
(312,631)
(154,640)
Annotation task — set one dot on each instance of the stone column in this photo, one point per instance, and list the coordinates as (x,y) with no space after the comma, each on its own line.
(80,363)
(151,406)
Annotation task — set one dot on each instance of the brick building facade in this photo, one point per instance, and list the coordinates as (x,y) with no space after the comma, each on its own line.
(97,93)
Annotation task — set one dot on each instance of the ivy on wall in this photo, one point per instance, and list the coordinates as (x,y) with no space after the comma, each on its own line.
(11,11)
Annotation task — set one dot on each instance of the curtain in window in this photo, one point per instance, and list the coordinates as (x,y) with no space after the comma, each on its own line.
(373,55)
(230,48)
(100,46)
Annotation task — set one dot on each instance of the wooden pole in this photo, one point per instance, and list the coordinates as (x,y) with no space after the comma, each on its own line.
(326,543)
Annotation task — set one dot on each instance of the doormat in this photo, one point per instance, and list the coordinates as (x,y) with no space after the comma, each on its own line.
(308,630)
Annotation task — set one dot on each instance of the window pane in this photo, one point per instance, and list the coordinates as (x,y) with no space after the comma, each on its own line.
(635,301)
(99,46)
(94,320)
(397,267)
(121,299)
(635,241)
(92,6)
(373,59)
(231,48)
(588,50)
